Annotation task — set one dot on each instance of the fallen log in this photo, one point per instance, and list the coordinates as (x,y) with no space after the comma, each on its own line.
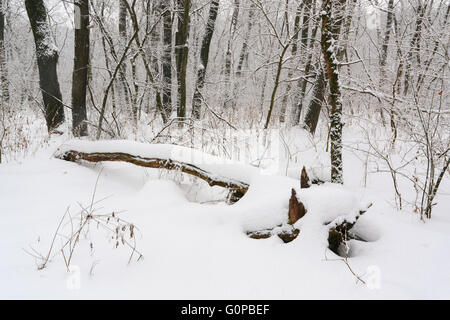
(237,188)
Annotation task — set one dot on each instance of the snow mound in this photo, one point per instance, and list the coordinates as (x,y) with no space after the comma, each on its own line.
(327,202)
(160,192)
(265,205)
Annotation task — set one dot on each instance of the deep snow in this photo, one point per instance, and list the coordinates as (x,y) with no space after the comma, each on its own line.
(194,248)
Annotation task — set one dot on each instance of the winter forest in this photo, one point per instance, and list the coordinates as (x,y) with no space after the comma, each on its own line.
(224,149)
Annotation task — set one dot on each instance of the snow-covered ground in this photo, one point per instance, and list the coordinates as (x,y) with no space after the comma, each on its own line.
(195,248)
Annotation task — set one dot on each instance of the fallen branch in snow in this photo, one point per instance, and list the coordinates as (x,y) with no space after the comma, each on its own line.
(345,260)
(237,188)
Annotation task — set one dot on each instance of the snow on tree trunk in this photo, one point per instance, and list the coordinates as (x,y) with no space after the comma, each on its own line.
(204,54)
(315,105)
(167,58)
(47,59)
(330,35)
(181,53)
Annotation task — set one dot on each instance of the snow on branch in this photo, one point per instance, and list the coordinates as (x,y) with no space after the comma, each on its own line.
(215,171)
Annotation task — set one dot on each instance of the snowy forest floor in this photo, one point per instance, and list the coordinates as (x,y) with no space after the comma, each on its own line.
(197,249)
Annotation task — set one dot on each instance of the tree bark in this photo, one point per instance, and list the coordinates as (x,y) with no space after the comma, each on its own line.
(47,59)
(123,36)
(387,33)
(275,86)
(298,108)
(167,58)
(318,99)
(228,55)
(181,54)
(330,35)
(415,45)
(80,69)
(204,54)
(3,65)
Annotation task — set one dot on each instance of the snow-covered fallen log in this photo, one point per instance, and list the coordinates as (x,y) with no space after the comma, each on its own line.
(215,171)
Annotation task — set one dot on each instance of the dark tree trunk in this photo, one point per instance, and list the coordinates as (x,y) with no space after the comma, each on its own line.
(123,36)
(3,66)
(80,69)
(47,59)
(415,44)
(181,54)
(228,54)
(383,58)
(387,33)
(330,34)
(318,98)
(167,58)
(122,22)
(204,54)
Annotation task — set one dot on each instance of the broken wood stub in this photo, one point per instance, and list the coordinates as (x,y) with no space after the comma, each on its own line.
(296,208)
(304,179)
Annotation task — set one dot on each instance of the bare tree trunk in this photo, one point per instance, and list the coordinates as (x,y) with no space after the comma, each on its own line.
(122,22)
(204,54)
(228,55)
(181,54)
(415,44)
(297,110)
(383,57)
(80,69)
(3,65)
(135,22)
(123,35)
(244,50)
(47,59)
(330,35)
(275,86)
(167,58)
(318,98)
(387,33)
